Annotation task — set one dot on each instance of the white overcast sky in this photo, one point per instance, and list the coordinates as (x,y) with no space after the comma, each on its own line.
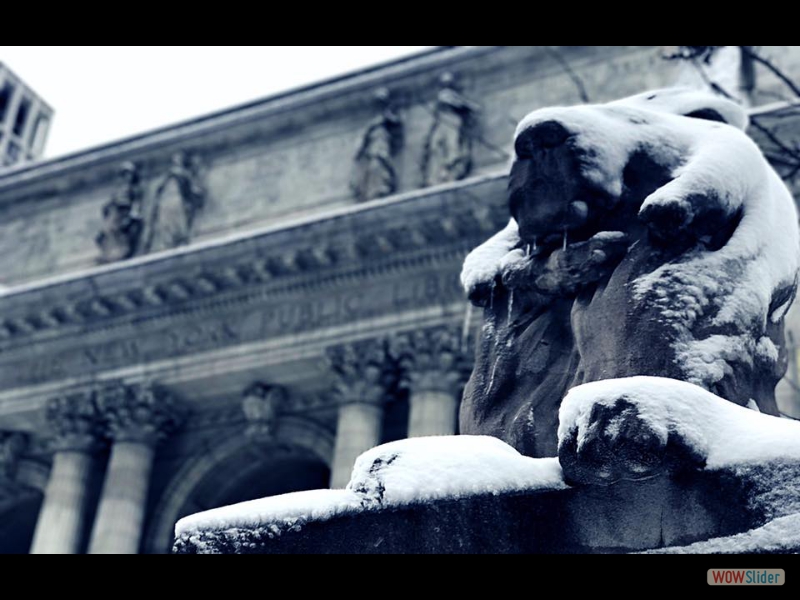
(101,94)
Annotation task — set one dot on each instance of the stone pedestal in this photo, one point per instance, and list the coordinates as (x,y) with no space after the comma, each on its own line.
(138,416)
(74,422)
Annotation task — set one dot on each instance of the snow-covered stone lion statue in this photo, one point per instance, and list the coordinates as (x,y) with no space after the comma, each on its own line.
(649,236)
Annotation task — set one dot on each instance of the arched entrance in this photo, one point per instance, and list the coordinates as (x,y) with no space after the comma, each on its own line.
(18,521)
(20,502)
(237,470)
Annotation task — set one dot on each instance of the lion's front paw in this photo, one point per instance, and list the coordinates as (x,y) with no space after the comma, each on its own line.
(616,443)
(668,219)
(481,293)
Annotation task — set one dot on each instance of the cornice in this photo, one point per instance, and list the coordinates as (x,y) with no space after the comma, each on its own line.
(407,232)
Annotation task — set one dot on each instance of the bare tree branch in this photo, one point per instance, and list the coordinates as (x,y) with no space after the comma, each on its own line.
(771,67)
(775,139)
(572,74)
(784,153)
(712,84)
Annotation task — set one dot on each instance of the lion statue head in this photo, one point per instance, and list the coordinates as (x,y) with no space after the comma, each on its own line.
(648,236)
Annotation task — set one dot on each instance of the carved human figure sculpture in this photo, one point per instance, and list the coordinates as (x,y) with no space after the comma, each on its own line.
(649,236)
(179,197)
(374,173)
(122,217)
(447,154)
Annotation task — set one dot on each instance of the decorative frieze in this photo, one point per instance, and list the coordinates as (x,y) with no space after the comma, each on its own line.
(464,228)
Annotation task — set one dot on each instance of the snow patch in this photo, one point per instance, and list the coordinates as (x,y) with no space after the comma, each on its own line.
(707,361)
(451,467)
(735,283)
(482,265)
(767,350)
(779,536)
(394,474)
(723,432)
(275,513)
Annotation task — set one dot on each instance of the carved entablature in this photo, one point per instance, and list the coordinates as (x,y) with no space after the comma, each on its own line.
(261,264)
(362,372)
(431,359)
(140,412)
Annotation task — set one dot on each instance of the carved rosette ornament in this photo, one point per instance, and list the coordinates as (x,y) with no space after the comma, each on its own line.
(140,412)
(430,359)
(261,405)
(361,371)
(73,421)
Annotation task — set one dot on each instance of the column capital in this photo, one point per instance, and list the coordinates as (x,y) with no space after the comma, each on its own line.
(73,421)
(430,359)
(262,404)
(139,412)
(362,372)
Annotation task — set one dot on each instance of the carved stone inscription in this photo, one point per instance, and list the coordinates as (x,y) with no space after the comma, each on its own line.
(287,316)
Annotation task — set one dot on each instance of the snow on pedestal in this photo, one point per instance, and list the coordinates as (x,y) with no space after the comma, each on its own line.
(418,470)
(719,431)
(448,467)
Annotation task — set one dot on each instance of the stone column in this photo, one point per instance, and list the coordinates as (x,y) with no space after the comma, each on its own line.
(361,388)
(138,416)
(74,423)
(433,370)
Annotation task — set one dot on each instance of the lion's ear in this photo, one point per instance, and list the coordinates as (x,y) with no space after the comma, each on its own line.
(697,104)
(717,108)
(708,114)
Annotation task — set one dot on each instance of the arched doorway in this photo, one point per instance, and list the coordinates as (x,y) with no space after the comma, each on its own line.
(18,517)
(237,470)
(20,502)
(256,473)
